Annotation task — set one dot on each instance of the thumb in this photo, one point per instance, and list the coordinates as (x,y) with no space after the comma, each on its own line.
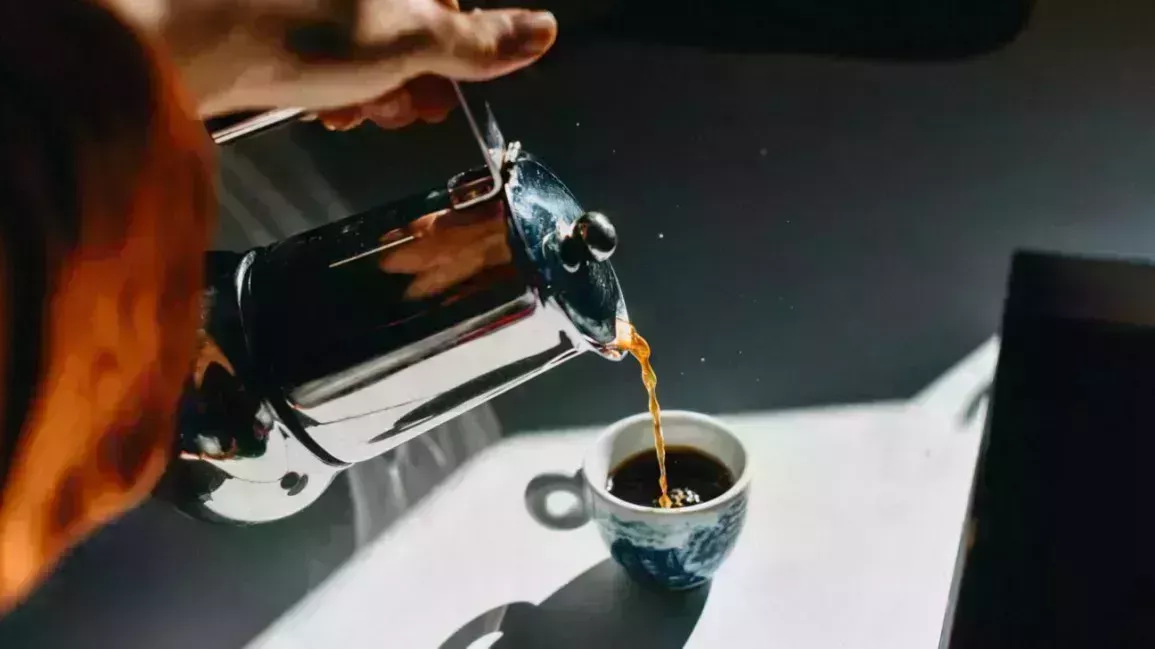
(482,45)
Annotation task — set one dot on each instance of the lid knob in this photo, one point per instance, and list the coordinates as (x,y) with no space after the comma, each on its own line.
(593,238)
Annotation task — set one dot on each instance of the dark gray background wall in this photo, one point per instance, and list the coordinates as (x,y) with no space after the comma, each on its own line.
(796,230)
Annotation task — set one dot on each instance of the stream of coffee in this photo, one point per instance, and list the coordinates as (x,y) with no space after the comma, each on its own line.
(630,341)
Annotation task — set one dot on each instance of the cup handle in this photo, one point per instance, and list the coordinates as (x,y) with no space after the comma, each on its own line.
(540,488)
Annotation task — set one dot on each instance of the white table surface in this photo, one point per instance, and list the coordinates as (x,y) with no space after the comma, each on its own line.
(851,540)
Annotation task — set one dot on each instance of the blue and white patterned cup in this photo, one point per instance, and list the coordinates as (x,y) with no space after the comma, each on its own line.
(673,548)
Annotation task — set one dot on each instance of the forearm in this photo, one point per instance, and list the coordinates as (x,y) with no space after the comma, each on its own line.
(223,46)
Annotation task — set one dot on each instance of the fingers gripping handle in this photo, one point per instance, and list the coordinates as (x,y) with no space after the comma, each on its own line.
(486,133)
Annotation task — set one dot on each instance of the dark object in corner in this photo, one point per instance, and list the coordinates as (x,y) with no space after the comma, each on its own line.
(1058,550)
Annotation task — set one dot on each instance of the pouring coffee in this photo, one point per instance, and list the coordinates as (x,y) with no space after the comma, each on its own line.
(338,344)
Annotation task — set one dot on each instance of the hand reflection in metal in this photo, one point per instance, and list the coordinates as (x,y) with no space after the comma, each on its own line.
(446,248)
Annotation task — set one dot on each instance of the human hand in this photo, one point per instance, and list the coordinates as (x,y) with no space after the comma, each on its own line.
(447,248)
(427,98)
(475,46)
(342,60)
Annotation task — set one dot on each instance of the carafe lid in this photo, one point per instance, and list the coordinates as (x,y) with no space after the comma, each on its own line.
(570,248)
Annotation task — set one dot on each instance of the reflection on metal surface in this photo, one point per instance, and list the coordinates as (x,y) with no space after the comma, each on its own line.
(389,322)
(362,255)
(235,491)
(487,134)
(545,215)
(255,124)
(338,344)
(236,461)
(447,248)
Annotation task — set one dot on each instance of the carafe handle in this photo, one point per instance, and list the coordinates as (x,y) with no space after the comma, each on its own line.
(488,137)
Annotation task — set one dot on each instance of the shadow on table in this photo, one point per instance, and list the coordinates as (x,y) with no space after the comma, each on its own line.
(602,607)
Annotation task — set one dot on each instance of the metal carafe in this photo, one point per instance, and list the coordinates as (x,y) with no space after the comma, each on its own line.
(336,345)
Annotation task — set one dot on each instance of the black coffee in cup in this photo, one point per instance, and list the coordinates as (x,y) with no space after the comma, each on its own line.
(695,478)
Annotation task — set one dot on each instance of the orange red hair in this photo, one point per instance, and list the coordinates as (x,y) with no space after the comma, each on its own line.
(106,209)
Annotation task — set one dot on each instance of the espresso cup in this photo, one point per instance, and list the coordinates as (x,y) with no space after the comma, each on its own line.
(673,548)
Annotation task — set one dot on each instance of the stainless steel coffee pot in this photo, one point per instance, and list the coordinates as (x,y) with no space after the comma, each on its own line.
(336,345)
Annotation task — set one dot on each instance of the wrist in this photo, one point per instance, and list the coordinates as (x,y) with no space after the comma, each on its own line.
(188,32)
(228,51)
(233,52)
